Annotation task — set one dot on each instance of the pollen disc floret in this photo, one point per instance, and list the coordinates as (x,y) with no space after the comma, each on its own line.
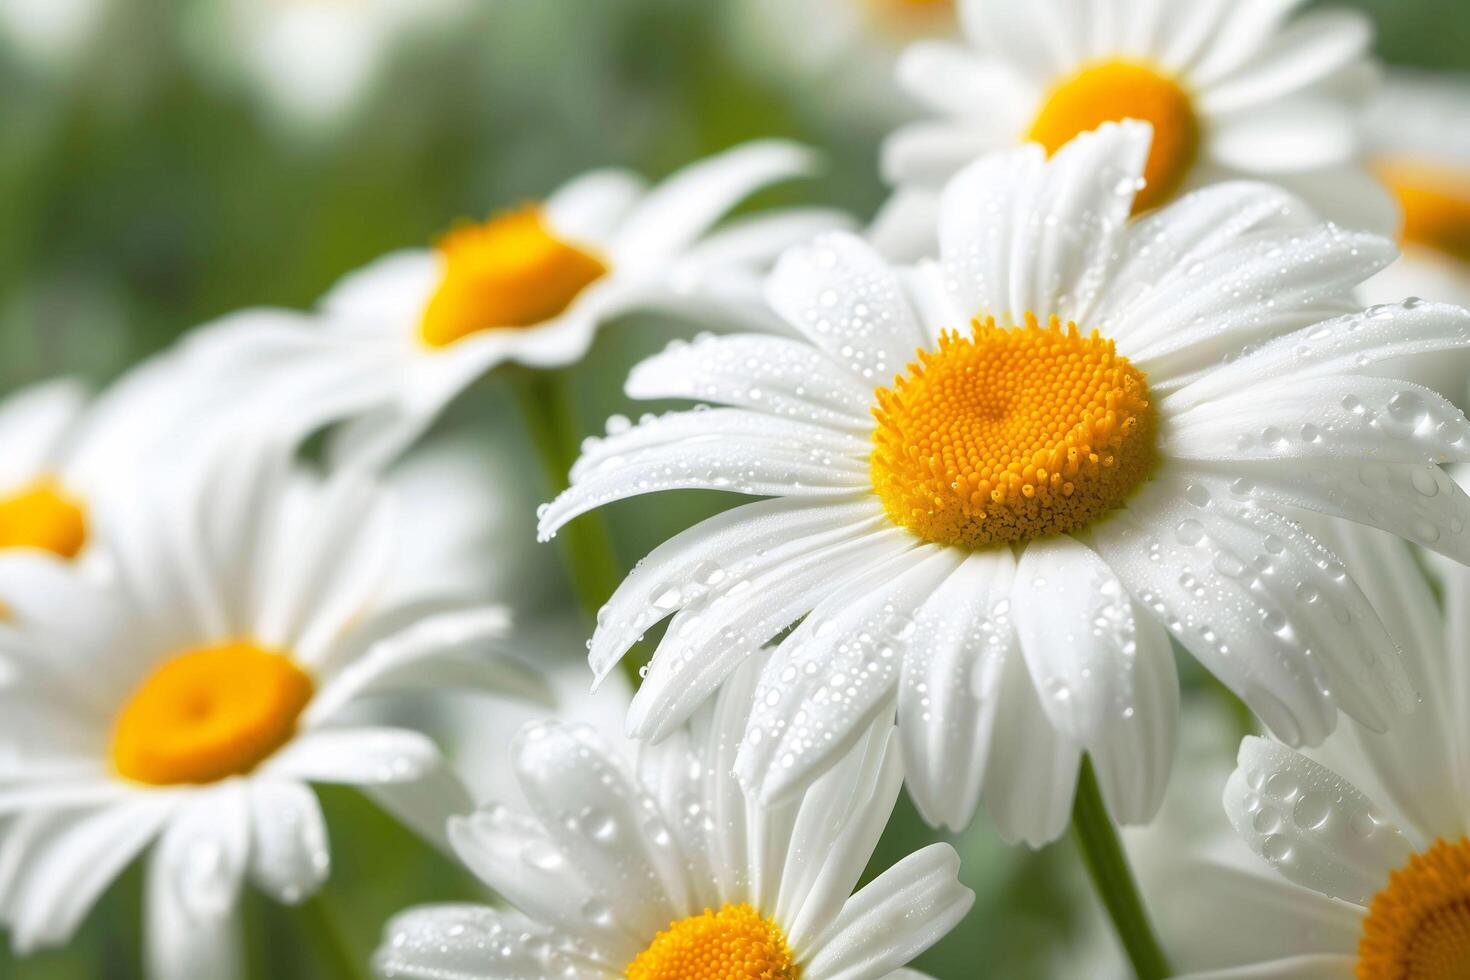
(43,516)
(1116,90)
(1418,928)
(735,943)
(208,714)
(1011,434)
(512,271)
(1436,205)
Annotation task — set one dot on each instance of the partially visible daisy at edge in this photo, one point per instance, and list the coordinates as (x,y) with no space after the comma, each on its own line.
(1351,860)
(1233,90)
(663,870)
(393,343)
(1002,535)
(183,706)
(1417,136)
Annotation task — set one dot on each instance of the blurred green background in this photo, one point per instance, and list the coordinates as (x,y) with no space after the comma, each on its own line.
(146,186)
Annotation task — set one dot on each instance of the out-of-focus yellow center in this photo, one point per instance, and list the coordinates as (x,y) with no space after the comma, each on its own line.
(1011,435)
(43,516)
(734,943)
(512,271)
(1436,204)
(1418,927)
(1116,90)
(208,714)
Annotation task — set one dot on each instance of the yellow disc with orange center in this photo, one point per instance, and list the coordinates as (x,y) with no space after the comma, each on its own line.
(208,714)
(1418,927)
(1116,90)
(1436,205)
(1011,434)
(45,517)
(510,272)
(735,943)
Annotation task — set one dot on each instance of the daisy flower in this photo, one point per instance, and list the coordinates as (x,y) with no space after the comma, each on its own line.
(1417,133)
(396,341)
(1351,859)
(1231,89)
(664,871)
(1002,534)
(186,703)
(309,61)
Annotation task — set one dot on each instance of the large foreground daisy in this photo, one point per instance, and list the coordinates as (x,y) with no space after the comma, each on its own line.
(396,341)
(669,873)
(187,702)
(1361,863)
(999,534)
(1231,89)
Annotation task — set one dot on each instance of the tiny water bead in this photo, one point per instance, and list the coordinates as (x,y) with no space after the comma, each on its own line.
(1418,926)
(1011,435)
(208,714)
(1436,205)
(509,272)
(734,943)
(43,516)
(1111,91)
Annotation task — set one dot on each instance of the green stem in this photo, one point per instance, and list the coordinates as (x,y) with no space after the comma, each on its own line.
(325,929)
(1107,866)
(592,564)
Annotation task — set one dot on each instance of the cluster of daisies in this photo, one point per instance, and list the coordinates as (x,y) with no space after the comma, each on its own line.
(1101,381)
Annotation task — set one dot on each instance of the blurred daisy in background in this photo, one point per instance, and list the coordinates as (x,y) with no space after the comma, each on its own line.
(51,34)
(393,343)
(843,49)
(1417,133)
(665,871)
(1231,90)
(1350,859)
(312,62)
(1108,452)
(186,703)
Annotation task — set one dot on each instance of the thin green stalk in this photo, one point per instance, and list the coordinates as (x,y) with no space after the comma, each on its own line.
(325,930)
(1107,866)
(592,564)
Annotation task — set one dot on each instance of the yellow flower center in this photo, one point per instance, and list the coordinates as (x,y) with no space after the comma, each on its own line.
(43,516)
(734,943)
(512,271)
(1116,90)
(1418,927)
(1436,205)
(208,714)
(1011,434)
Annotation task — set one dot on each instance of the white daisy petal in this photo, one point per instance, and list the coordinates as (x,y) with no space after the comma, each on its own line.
(359,756)
(526,867)
(927,152)
(836,671)
(65,872)
(591,208)
(1022,236)
(1030,39)
(1306,51)
(715,556)
(288,840)
(1241,32)
(449,942)
(1299,134)
(895,917)
(946,726)
(769,374)
(425,805)
(1311,825)
(1214,614)
(679,210)
(193,888)
(709,636)
(611,838)
(392,287)
(34,427)
(944,75)
(1324,967)
(847,301)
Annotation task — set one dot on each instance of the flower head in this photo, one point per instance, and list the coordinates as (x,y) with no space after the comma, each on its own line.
(1000,525)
